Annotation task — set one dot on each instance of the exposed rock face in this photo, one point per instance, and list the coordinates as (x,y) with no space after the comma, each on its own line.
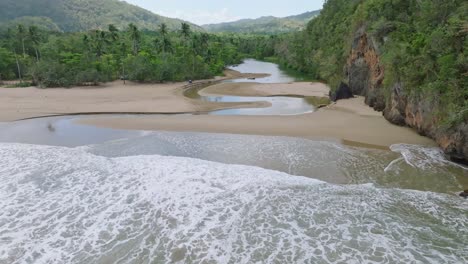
(365,76)
(455,142)
(364,71)
(343,92)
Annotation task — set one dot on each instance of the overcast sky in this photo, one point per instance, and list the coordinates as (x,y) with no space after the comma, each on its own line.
(216,11)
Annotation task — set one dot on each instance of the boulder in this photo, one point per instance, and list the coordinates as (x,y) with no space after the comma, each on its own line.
(343,92)
(464,194)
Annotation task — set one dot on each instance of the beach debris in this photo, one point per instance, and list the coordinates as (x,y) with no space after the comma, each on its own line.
(50,127)
(322,106)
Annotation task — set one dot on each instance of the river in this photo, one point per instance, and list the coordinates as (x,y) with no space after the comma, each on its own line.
(79,194)
(279,105)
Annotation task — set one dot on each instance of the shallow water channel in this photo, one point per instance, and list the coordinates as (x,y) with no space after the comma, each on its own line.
(279,105)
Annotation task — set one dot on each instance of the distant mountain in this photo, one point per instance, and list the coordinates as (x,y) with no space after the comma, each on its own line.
(304,17)
(268,24)
(82,15)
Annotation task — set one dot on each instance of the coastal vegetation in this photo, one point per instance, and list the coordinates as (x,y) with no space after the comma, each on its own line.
(53,59)
(418,44)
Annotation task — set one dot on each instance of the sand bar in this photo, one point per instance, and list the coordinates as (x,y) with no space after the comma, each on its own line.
(257,89)
(114,97)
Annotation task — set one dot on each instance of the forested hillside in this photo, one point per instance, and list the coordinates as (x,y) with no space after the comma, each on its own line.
(268,24)
(83,15)
(407,57)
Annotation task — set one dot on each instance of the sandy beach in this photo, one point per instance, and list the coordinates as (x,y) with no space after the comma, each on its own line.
(114,97)
(349,121)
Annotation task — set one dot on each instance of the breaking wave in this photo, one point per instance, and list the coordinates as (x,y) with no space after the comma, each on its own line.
(67,205)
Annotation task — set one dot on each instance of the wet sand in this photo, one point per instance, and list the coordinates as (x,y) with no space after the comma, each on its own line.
(260,89)
(232,74)
(349,121)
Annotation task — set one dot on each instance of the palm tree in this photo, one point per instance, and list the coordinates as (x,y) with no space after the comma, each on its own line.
(11,44)
(35,39)
(22,35)
(18,67)
(113,32)
(135,37)
(202,43)
(164,43)
(185,30)
(163,29)
(98,42)
(86,41)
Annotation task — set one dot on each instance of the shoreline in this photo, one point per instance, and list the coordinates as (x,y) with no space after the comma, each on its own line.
(348,122)
(110,98)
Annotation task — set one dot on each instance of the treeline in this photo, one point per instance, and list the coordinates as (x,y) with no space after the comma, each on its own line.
(421,43)
(53,59)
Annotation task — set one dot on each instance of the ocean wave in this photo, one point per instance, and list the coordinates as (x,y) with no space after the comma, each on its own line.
(67,205)
(422,157)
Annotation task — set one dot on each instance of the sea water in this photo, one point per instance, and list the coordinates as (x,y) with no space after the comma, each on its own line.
(119,202)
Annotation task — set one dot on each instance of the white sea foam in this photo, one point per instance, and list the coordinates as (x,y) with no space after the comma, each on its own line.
(423,157)
(63,205)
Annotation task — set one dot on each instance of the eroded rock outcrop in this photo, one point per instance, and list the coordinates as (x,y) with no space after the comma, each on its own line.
(364,71)
(365,75)
(343,92)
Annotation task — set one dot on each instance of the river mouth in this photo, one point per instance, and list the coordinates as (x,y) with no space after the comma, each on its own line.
(275,73)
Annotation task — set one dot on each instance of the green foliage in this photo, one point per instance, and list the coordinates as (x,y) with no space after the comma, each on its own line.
(53,59)
(421,44)
(7,63)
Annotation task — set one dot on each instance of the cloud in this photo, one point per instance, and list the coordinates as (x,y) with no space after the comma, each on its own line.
(201,17)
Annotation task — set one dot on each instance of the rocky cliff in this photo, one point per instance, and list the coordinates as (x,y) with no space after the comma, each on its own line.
(365,74)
